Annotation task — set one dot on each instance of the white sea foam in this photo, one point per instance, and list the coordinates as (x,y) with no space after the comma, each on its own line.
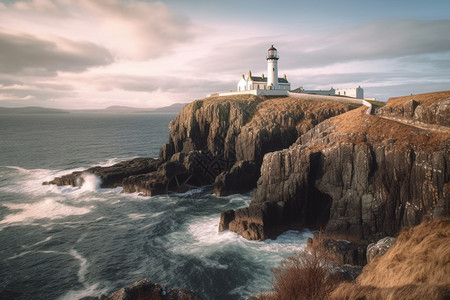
(88,289)
(109,162)
(137,216)
(38,243)
(203,238)
(49,208)
(29,181)
(34,252)
(91,183)
(83,265)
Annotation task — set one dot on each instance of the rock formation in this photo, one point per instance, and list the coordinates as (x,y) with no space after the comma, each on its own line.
(217,140)
(144,289)
(321,164)
(112,176)
(360,177)
(379,248)
(430,108)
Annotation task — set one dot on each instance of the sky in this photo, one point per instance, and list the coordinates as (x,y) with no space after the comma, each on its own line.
(75,54)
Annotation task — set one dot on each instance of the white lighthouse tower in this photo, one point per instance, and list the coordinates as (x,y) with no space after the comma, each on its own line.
(272,68)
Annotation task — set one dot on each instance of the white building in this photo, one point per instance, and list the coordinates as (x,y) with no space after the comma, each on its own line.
(357,93)
(351,92)
(271,82)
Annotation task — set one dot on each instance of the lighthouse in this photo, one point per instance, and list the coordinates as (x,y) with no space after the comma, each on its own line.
(272,68)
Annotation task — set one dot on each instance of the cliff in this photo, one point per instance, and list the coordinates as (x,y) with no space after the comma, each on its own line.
(220,140)
(234,130)
(358,176)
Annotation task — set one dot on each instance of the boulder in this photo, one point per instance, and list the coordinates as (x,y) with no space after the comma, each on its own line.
(241,178)
(379,248)
(111,176)
(144,289)
(340,252)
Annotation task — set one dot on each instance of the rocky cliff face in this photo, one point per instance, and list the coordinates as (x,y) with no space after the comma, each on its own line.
(243,129)
(217,140)
(358,176)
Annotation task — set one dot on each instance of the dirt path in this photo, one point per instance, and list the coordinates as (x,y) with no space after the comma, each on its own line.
(419,125)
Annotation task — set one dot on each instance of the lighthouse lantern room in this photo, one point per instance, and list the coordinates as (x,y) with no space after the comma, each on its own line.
(272,68)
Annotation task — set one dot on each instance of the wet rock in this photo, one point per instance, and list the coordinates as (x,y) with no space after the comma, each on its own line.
(171,177)
(112,176)
(144,289)
(347,273)
(379,248)
(341,252)
(241,178)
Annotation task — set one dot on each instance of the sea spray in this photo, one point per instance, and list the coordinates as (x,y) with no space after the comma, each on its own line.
(90,182)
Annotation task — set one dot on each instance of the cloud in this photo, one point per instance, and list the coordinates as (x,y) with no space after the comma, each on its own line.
(133,29)
(13,91)
(30,55)
(163,83)
(138,29)
(377,40)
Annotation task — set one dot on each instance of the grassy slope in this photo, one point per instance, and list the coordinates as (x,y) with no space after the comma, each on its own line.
(416,267)
(425,100)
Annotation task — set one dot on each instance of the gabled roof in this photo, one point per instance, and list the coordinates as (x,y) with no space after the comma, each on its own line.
(260,79)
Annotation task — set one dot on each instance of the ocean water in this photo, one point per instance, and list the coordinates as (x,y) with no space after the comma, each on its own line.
(70,243)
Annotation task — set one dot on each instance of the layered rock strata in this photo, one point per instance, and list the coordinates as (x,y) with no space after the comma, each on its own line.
(219,141)
(145,289)
(360,177)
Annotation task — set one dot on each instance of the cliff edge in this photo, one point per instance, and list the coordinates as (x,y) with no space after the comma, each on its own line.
(359,177)
(216,140)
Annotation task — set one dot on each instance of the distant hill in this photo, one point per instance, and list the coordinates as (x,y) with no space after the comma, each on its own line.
(112,110)
(174,108)
(31,110)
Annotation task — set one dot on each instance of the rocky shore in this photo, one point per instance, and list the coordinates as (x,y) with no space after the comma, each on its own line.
(315,164)
(311,164)
(357,176)
(220,141)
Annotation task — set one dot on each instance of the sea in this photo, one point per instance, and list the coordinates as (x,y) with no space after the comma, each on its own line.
(70,243)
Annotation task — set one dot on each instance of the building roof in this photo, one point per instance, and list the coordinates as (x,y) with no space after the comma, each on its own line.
(272,48)
(260,79)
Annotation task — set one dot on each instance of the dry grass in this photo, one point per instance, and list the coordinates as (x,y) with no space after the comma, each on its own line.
(424,99)
(357,127)
(303,277)
(407,292)
(416,267)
